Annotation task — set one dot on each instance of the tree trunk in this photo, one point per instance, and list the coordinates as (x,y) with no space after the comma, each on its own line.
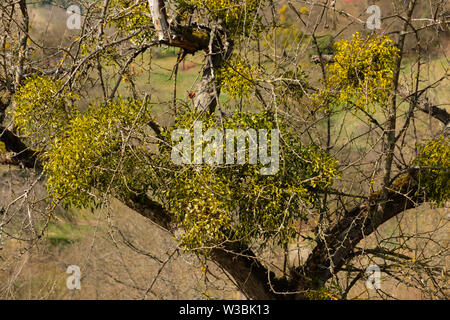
(159,16)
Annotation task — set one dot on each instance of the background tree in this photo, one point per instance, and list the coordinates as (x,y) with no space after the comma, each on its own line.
(356,151)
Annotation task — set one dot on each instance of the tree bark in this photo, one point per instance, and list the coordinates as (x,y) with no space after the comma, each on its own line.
(21,153)
(159,16)
(332,252)
(192,39)
(255,281)
(208,89)
(252,278)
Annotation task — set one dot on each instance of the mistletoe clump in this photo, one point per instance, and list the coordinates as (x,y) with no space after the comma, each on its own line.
(362,72)
(214,204)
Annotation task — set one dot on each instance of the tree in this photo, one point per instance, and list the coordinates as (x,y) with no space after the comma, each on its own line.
(337,182)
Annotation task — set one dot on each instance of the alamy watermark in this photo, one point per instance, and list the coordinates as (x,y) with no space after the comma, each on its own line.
(73,282)
(213,153)
(374,21)
(374,279)
(74,20)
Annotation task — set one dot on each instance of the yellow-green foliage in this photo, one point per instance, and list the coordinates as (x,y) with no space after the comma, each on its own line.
(237,14)
(321,294)
(362,72)
(129,18)
(90,155)
(434,163)
(107,150)
(237,78)
(221,203)
(41,112)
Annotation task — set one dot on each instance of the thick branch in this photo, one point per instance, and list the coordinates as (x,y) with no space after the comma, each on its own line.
(436,112)
(22,42)
(189,39)
(336,248)
(241,263)
(151,210)
(159,17)
(21,152)
(424,105)
(251,276)
(192,39)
